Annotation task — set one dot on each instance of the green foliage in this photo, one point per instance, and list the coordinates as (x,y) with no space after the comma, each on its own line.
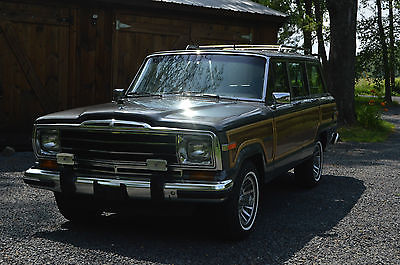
(368,87)
(369,117)
(374,87)
(297,19)
(371,127)
(369,59)
(396,90)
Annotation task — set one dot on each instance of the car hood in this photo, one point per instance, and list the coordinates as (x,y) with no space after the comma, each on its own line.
(182,112)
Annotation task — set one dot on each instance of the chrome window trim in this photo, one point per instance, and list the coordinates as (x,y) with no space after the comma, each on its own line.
(217,157)
(194,52)
(266,79)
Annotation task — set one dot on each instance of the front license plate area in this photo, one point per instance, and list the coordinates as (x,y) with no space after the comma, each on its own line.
(109,192)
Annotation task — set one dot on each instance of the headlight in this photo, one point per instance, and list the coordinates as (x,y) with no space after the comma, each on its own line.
(47,141)
(195,150)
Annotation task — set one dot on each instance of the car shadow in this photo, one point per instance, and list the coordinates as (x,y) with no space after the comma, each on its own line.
(289,218)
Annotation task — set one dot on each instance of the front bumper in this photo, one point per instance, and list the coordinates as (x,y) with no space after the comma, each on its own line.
(211,191)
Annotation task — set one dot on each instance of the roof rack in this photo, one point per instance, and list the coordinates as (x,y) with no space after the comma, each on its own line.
(278,48)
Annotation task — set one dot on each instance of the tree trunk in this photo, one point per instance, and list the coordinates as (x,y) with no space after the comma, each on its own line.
(391,53)
(307,11)
(320,37)
(306,30)
(385,58)
(341,76)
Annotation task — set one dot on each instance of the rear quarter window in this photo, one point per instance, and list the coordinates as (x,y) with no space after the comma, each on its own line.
(315,79)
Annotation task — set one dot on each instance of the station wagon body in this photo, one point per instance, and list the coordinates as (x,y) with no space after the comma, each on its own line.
(206,124)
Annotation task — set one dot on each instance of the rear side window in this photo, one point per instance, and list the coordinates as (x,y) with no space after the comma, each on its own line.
(315,79)
(296,80)
(277,79)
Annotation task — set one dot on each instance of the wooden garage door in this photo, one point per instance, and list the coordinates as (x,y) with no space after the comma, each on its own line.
(203,34)
(33,62)
(137,36)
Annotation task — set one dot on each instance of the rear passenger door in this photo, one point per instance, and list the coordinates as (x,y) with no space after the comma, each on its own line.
(306,107)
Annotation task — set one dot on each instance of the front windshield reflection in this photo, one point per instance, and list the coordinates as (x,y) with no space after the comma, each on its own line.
(234,76)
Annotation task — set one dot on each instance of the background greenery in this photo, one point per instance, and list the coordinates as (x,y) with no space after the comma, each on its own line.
(370,127)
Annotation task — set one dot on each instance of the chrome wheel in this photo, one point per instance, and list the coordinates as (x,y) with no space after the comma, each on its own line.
(317,161)
(248,201)
(309,172)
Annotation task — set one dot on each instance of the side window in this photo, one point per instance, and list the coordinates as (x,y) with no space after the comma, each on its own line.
(277,79)
(296,80)
(315,79)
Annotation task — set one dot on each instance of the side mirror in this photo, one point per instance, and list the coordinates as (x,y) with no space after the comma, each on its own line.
(118,93)
(281,97)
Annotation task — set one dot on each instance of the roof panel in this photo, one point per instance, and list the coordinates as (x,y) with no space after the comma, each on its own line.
(246,6)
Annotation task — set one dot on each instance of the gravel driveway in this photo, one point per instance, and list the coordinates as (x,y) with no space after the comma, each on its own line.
(352,217)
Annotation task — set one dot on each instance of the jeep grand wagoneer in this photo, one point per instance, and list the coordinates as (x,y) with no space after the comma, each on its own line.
(208,124)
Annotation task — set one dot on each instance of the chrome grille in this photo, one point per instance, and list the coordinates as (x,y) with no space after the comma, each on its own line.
(128,147)
(105,170)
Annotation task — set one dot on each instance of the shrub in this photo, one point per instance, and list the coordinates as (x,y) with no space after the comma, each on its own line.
(369,116)
(367,86)
(371,127)
(396,89)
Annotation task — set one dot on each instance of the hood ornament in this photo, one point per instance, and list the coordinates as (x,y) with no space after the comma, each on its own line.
(112,123)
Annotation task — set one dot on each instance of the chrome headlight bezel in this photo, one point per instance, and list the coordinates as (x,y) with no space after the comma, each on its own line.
(196,150)
(46,142)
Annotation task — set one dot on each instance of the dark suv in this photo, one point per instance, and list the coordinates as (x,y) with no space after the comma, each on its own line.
(206,124)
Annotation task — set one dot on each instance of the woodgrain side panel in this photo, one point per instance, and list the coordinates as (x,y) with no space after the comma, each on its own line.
(260,133)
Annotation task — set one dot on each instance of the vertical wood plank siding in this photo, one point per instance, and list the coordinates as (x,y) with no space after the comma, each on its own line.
(68,55)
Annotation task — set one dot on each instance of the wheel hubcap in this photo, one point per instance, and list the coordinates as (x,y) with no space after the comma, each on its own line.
(248,201)
(317,161)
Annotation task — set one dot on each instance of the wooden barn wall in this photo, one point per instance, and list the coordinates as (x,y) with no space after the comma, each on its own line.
(34,49)
(57,57)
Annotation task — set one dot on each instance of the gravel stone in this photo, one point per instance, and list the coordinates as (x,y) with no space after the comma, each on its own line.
(352,217)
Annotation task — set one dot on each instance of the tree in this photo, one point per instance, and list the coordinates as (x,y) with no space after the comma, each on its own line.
(300,17)
(385,57)
(341,75)
(372,57)
(392,59)
(319,6)
(340,68)
(306,23)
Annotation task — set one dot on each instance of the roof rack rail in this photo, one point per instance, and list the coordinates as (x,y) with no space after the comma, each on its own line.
(278,48)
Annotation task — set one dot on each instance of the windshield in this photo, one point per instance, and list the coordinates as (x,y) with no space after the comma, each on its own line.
(235,76)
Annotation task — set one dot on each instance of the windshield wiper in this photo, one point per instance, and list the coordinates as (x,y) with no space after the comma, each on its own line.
(209,96)
(183,93)
(143,94)
(194,94)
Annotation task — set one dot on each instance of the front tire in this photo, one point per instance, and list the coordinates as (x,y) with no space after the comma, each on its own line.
(308,173)
(240,211)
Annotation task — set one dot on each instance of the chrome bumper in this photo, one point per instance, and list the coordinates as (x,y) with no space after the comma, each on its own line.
(135,189)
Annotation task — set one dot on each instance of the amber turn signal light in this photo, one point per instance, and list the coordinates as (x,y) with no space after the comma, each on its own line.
(201,175)
(48,164)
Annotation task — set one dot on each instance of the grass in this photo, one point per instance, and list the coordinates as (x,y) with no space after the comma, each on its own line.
(371,127)
(370,87)
(364,135)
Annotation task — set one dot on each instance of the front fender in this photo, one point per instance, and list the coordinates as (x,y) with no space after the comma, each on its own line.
(250,152)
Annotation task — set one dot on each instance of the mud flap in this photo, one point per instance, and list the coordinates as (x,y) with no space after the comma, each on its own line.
(67,179)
